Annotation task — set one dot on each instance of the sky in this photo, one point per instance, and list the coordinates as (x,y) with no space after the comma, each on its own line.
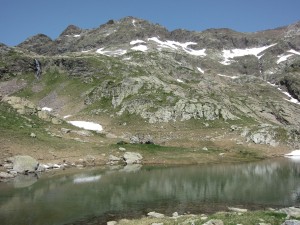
(21,19)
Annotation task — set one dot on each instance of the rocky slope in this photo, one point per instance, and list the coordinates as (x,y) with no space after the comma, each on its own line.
(134,77)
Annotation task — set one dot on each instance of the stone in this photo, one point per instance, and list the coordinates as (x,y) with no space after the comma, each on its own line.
(238,210)
(4,175)
(214,222)
(122,149)
(33,135)
(132,158)
(291,222)
(205,149)
(56,121)
(65,130)
(24,163)
(44,115)
(157,223)
(111,223)
(155,215)
(291,211)
(175,215)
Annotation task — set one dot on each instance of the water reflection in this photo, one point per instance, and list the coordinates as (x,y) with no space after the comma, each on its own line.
(60,200)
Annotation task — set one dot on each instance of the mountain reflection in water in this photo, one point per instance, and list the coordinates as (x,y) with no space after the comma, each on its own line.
(69,197)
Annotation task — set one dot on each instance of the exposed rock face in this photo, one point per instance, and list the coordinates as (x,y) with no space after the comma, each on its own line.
(134,67)
(24,163)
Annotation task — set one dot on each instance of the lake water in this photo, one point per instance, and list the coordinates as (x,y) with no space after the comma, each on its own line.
(101,194)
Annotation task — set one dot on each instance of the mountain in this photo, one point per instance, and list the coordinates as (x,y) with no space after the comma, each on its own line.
(216,87)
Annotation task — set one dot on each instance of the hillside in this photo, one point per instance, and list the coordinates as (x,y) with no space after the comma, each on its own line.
(215,91)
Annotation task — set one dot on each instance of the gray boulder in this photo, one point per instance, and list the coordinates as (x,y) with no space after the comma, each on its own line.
(291,211)
(132,158)
(291,222)
(24,163)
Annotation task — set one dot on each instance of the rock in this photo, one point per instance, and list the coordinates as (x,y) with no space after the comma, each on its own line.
(155,215)
(24,163)
(56,121)
(238,210)
(44,115)
(291,222)
(111,223)
(132,158)
(175,215)
(4,175)
(83,133)
(33,135)
(157,223)
(8,166)
(205,149)
(214,222)
(65,130)
(291,211)
(122,149)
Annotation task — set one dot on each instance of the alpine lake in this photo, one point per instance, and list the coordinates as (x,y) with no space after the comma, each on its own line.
(98,195)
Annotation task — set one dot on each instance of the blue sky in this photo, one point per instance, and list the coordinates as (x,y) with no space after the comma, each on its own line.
(20,19)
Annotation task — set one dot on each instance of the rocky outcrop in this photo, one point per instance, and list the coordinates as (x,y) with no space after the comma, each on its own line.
(24,163)
(25,107)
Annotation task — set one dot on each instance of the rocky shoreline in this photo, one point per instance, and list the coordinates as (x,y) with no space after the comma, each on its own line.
(284,216)
(24,164)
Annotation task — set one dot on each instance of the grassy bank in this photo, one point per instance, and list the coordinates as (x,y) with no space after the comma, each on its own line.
(247,218)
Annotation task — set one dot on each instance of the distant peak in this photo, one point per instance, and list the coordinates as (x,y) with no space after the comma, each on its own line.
(71,30)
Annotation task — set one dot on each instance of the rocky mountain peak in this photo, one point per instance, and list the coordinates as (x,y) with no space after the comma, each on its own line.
(71,30)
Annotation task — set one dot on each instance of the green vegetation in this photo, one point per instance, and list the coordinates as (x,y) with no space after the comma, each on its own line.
(228,218)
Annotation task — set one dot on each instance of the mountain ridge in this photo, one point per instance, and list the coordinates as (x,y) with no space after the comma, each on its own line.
(135,77)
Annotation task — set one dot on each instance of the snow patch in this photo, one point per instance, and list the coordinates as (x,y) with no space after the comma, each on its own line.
(174,45)
(142,48)
(47,109)
(290,98)
(180,81)
(117,52)
(76,35)
(86,179)
(232,77)
(133,23)
(294,52)
(230,54)
(200,70)
(283,57)
(137,42)
(86,125)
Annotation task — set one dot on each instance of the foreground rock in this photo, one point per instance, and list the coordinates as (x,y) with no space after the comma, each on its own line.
(291,211)
(24,163)
(132,158)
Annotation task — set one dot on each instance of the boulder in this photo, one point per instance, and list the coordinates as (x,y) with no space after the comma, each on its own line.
(291,222)
(291,211)
(24,163)
(155,215)
(238,210)
(132,158)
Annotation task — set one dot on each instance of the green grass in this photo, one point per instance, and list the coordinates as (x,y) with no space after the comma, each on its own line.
(228,218)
